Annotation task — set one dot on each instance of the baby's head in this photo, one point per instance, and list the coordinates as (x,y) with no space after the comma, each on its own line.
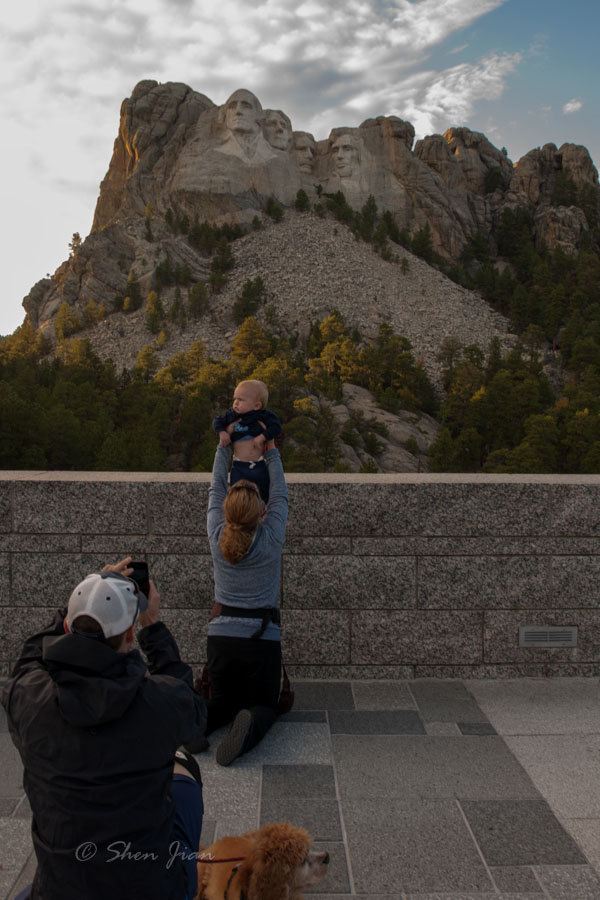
(250,395)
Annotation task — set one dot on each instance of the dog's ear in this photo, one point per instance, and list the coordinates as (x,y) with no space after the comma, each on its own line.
(268,880)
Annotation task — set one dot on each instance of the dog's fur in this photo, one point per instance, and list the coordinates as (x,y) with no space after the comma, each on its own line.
(277,865)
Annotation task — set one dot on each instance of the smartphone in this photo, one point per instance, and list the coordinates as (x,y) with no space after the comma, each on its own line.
(141,576)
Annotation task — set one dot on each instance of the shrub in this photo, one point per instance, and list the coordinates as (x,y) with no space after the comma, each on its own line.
(302,203)
(274,209)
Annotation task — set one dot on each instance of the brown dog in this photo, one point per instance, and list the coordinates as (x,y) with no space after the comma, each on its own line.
(273,863)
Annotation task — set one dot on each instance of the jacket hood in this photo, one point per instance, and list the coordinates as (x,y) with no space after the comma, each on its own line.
(94,683)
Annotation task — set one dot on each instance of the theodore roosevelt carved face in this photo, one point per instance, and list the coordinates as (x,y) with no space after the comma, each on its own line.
(304,151)
(278,129)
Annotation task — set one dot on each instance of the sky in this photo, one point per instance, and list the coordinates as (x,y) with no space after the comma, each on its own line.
(525,72)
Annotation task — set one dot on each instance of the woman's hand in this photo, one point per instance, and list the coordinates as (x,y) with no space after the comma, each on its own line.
(270,445)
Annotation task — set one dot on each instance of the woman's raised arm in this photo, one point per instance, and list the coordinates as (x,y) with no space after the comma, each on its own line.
(277,507)
(218,489)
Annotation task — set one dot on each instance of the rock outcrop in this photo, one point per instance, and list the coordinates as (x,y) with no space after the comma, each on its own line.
(560,227)
(404,438)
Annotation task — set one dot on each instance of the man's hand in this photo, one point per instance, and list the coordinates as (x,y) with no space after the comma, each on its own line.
(151,615)
(121,568)
(224,439)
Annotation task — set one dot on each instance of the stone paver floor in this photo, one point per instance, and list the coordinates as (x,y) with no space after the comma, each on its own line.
(420,790)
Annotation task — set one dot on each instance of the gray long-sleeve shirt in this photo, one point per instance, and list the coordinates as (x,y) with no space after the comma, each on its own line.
(254,581)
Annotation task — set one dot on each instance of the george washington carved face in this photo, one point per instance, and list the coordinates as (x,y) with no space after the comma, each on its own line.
(278,129)
(242,113)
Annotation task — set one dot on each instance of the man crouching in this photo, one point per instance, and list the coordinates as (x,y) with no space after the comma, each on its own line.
(117,809)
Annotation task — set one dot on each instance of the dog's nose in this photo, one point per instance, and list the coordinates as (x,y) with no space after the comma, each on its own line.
(326,859)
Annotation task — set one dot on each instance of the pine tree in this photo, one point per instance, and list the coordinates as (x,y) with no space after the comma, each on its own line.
(75,243)
(422,244)
(251,298)
(146,363)
(154,312)
(198,300)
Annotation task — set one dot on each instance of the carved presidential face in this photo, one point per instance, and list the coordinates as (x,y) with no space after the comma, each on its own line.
(304,151)
(278,129)
(243,113)
(345,154)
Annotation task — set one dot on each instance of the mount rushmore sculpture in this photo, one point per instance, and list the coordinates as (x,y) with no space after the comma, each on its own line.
(177,150)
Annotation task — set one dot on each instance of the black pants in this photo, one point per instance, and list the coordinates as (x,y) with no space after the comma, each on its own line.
(249,471)
(245,674)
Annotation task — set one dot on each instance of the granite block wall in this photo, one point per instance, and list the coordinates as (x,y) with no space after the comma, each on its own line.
(384,576)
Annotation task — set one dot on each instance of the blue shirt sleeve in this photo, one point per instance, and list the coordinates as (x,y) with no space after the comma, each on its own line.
(218,490)
(277,507)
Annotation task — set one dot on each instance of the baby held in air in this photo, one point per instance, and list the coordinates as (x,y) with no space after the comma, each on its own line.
(248,425)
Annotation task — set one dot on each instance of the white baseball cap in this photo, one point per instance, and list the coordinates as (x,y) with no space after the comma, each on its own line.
(111,599)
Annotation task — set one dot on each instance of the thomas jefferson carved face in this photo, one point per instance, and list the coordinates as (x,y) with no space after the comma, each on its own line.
(278,129)
(304,151)
(345,154)
(242,113)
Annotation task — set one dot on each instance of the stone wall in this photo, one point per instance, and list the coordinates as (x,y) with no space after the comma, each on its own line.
(384,576)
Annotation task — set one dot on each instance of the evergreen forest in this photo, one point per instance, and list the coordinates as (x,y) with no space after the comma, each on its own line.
(535,408)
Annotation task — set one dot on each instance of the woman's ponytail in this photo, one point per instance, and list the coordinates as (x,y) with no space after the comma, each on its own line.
(243,509)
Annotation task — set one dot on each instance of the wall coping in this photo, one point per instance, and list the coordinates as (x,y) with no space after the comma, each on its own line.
(342,478)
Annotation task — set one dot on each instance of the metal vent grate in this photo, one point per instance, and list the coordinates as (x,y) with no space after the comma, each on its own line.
(548,636)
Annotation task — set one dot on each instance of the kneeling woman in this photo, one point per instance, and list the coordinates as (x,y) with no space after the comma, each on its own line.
(244,639)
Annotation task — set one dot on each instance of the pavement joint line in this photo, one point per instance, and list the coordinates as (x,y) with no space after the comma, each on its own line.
(477,847)
(340,811)
(416,702)
(542,888)
(21,802)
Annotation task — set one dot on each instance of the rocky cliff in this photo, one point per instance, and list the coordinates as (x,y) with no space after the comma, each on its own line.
(177,151)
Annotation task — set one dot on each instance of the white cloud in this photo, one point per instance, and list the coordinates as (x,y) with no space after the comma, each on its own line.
(433,101)
(290,56)
(572,106)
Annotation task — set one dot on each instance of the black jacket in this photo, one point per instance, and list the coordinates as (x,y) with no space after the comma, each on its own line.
(97,732)
(249,424)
